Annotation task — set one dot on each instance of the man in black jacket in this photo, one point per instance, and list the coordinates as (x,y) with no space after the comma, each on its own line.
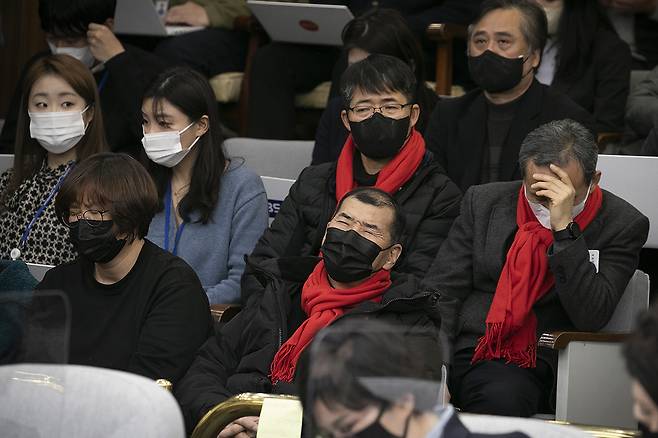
(295,297)
(384,150)
(83,29)
(551,253)
(476,137)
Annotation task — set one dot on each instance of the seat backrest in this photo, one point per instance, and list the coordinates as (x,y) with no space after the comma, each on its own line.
(76,401)
(6,162)
(277,189)
(629,177)
(275,158)
(634,301)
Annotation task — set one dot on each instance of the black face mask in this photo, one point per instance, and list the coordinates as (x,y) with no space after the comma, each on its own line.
(348,256)
(380,137)
(95,240)
(376,430)
(495,73)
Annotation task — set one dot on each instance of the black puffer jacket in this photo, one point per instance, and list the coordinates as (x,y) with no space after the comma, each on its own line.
(238,358)
(430,202)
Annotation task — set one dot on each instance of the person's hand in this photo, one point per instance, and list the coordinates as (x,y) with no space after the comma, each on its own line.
(632,6)
(188,13)
(560,192)
(244,427)
(104,45)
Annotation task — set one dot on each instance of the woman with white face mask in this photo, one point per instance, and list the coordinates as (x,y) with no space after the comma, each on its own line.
(586,60)
(212,208)
(59,124)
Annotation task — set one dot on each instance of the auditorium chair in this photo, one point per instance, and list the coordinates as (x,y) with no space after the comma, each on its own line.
(81,401)
(593,386)
(250,404)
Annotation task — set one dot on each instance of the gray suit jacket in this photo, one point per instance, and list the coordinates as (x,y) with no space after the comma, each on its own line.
(468,265)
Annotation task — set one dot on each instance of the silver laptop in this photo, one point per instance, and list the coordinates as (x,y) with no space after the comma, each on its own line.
(277,190)
(140,17)
(633,178)
(302,23)
(38,270)
(6,162)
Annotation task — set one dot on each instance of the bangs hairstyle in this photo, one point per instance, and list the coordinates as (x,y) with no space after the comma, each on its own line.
(378,74)
(190,93)
(71,18)
(113,182)
(385,32)
(28,153)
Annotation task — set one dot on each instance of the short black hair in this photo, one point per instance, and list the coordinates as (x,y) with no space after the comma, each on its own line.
(117,183)
(641,353)
(534,26)
(71,18)
(378,74)
(379,198)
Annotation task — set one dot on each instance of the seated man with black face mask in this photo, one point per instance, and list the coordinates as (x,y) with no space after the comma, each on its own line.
(477,137)
(296,297)
(383,150)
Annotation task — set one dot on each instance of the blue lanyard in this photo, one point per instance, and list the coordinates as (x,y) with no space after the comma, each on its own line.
(103,81)
(43,207)
(179,231)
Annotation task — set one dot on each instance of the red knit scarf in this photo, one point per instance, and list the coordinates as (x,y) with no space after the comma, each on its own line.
(511,324)
(393,176)
(323,304)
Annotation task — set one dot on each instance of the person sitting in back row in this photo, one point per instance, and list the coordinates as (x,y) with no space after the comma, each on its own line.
(553,252)
(295,297)
(134,306)
(476,137)
(383,150)
(83,29)
(60,123)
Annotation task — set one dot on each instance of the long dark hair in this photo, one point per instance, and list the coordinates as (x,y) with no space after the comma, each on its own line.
(385,32)
(191,93)
(28,153)
(577,32)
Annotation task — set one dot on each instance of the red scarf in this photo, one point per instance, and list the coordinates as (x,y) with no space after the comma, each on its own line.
(393,176)
(323,304)
(511,325)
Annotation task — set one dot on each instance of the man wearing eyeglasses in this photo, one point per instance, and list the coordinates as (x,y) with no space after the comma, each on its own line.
(383,150)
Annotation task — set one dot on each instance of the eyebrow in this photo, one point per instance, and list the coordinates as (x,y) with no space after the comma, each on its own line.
(65,93)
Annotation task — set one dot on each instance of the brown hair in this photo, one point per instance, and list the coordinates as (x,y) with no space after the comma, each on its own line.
(28,153)
(114,182)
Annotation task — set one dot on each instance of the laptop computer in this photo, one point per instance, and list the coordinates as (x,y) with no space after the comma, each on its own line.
(38,270)
(632,178)
(277,190)
(6,162)
(302,23)
(140,17)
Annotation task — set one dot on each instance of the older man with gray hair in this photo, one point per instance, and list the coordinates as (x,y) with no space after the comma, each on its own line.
(551,252)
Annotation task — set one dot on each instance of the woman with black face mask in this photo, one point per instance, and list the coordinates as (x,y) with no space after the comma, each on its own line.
(134,306)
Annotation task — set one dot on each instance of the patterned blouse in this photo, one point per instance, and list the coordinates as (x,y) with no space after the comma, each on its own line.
(48,241)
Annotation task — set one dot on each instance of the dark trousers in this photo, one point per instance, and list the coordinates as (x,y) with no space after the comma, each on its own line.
(279,72)
(210,51)
(497,388)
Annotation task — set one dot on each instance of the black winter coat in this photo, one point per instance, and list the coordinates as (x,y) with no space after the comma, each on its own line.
(238,358)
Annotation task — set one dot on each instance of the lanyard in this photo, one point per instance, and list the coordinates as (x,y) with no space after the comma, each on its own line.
(103,81)
(179,231)
(43,207)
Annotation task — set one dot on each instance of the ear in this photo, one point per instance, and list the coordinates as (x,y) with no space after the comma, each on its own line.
(597,178)
(414,115)
(345,120)
(394,253)
(88,116)
(202,126)
(536,59)
(109,23)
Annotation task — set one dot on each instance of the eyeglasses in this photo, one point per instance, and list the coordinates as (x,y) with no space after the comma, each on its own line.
(91,217)
(389,110)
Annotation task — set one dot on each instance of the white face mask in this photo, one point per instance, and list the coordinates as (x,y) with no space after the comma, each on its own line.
(165,148)
(82,54)
(553,15)
(57,131)
(543,214)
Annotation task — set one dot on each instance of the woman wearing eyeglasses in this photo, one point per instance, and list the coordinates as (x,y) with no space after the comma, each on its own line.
(134,306)
(59,124)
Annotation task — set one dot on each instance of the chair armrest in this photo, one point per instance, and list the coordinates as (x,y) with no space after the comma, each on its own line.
(444,32)
(224,312)
(559,340)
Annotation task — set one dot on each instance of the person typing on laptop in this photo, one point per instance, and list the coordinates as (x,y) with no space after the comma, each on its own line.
(83,29)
